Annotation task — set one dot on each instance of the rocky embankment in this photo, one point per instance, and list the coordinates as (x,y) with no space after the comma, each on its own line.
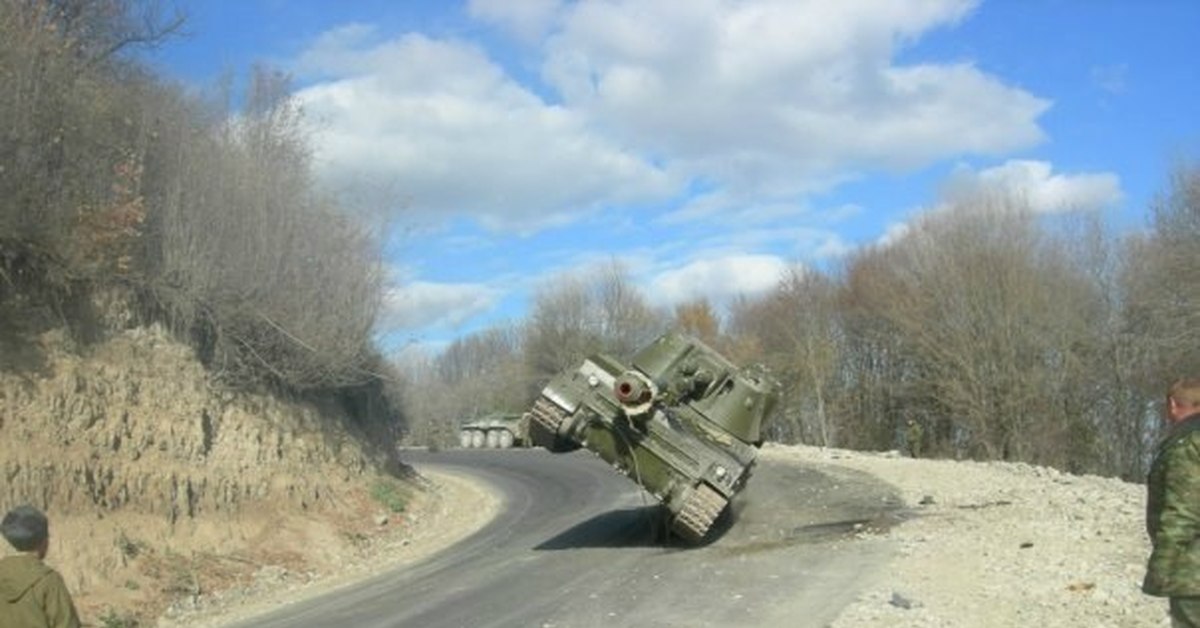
(1001,545)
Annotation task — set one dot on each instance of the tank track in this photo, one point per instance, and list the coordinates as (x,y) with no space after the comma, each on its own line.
(701,508)
(545,419)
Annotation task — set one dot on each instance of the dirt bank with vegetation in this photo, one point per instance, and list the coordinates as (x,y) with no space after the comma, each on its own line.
(162,486)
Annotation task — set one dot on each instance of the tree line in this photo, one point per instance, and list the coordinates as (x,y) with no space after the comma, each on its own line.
(127,200)
(1005,333)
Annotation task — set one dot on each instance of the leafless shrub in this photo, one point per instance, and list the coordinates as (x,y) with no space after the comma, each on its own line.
(277,281)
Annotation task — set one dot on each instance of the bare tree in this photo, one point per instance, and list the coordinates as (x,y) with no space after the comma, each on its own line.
(560,329)
(477,374)
(575,315)
(624,319)
(795,329)
(1118,388)
(991,317)
(98,29)
(1162,281)
(279,284)
(876,371)
(698,318)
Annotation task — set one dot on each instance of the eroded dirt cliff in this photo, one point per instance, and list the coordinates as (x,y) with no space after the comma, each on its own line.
(162,487)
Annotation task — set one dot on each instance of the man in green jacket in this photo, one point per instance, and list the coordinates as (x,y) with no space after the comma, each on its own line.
(32,595)
(1173,508)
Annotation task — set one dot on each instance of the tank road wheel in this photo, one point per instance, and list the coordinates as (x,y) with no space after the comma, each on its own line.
(493,439)
(701,508)
(464,438)
(544,420)
(506,439)
(477,439)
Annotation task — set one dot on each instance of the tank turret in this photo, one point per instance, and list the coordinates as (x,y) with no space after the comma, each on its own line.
(680,420)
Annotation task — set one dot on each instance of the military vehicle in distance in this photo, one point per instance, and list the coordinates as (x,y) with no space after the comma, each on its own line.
(495,431)
(680,420)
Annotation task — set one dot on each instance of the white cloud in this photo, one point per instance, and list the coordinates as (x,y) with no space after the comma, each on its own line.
(440,122)
(768,100)
(1030,183)
(420,304)
(527,20)
(894,233)
(1034,183)
(717,278)
(781,97)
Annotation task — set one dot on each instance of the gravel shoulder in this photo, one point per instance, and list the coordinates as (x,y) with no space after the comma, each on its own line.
(1001,545)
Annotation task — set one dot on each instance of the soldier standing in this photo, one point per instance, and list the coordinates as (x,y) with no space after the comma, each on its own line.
(31,594)
(913,435)
(1173,508)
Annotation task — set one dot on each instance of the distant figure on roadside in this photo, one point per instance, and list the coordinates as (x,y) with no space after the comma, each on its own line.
(914,435)
(1173,508)
(33,595)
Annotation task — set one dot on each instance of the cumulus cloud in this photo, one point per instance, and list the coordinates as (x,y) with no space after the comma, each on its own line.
(442,123)
(527,20)
(779,96)
(420,304)
(641,100)
(1035,183)
(1032,184)
(717,278)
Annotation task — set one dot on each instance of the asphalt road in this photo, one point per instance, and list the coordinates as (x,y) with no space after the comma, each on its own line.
(578,546)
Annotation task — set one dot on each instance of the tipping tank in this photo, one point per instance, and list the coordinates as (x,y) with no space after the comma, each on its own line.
(680,420)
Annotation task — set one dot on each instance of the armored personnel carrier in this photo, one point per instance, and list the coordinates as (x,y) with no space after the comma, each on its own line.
(495,431)
(680,420)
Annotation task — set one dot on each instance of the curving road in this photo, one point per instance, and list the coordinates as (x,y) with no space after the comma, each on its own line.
(576,546)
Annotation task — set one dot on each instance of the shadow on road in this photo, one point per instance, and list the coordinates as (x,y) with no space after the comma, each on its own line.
(645,526)
(628,527)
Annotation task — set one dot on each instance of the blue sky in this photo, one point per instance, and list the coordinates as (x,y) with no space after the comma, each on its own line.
(704,144)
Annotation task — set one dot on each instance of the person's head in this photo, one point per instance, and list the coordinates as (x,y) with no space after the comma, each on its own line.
(1183,399)
(27,530)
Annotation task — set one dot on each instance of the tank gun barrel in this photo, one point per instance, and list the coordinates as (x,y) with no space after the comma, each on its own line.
(631,389)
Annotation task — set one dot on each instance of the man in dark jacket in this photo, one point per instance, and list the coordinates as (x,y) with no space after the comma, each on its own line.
(1173,508)
(32,595)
